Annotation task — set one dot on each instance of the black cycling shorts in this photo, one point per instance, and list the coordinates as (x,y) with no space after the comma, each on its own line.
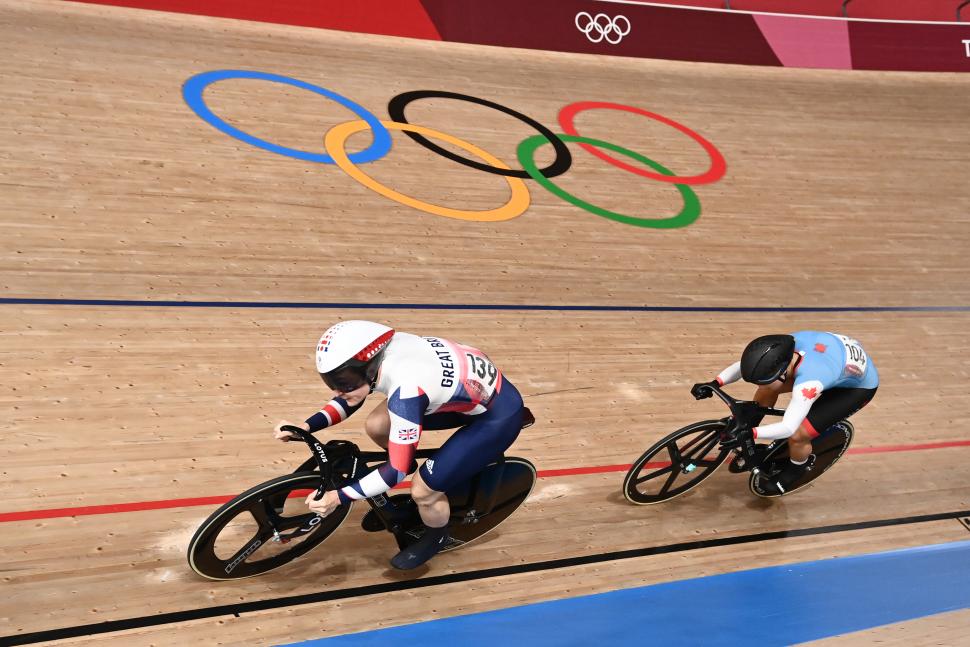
(835,405)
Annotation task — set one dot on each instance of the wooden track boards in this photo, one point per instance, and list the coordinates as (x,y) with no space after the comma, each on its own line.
(843,189)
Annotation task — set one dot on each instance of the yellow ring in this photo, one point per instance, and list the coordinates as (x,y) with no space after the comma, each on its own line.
(338,135)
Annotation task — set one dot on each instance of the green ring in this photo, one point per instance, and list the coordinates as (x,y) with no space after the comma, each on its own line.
(687,215)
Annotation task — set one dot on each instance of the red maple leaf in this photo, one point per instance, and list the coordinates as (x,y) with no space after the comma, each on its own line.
(810,393)
(820,348)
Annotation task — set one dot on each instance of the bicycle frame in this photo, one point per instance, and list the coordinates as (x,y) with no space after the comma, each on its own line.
(744,413)
(323,457)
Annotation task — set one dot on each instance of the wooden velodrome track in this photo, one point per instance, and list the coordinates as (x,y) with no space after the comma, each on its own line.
(843,190)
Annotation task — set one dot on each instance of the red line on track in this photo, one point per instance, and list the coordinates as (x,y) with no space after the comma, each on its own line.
(140,506)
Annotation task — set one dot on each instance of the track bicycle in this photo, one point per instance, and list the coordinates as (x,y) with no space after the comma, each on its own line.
(679,462)
(269,525)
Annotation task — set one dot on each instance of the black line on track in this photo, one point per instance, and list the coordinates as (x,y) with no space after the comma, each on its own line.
(111,626)
(145,303)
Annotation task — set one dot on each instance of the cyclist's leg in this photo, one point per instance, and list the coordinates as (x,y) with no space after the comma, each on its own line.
(800,444)
(466,453)
(833,406)
(471,448)
(432,504)
(378,425)
(461,457)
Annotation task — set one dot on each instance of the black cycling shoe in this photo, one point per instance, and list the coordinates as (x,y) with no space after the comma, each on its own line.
(432,541)
(784,481)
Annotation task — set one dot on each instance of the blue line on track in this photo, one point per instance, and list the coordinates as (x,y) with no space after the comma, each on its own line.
(779,605)
(464,306)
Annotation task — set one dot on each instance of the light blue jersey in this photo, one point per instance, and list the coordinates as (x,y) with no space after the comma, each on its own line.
(825,361)
(834,361)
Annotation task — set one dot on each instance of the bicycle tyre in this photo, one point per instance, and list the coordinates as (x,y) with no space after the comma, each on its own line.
(702,438)
(201,552)
(828,449)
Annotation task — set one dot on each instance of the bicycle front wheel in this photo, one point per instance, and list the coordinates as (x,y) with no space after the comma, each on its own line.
(676,464)
(261,529)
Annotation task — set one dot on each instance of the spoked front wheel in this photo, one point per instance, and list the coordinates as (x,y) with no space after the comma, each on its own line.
(261,529)
(827,449)
(676,464)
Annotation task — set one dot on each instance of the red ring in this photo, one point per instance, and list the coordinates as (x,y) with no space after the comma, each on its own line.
(718,166)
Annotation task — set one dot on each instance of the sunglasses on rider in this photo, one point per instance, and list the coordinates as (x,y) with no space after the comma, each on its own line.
(345,379)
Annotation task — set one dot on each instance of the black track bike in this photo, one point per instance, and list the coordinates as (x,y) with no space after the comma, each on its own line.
(269,525)
(679,462)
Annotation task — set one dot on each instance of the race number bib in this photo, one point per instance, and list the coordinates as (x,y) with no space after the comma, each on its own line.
(482,376)
(856,359)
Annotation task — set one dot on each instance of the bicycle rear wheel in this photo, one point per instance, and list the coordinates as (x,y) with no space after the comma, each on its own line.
(480,505)
(501,488)
(261,529)
(827,448)
(656,476)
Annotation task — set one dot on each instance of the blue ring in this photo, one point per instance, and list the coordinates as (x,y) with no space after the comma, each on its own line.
(194,87)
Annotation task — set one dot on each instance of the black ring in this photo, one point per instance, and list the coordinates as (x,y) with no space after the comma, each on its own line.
(395,109)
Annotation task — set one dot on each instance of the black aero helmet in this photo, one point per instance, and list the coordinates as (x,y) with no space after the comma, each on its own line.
(766,358)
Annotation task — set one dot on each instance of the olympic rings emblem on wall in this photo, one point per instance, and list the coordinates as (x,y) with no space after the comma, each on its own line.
(602,27)
(337,136)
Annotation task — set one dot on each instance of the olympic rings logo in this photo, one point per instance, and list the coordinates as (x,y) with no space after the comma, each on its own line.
(599,27)
(336,138)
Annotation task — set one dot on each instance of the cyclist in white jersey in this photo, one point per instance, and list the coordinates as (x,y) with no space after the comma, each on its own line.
(430,383)
(829,376)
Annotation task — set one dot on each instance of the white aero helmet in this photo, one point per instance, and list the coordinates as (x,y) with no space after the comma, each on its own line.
(349,353)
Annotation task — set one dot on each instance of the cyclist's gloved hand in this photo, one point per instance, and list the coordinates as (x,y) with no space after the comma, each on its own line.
(703,390)
(734,439)
(287,436)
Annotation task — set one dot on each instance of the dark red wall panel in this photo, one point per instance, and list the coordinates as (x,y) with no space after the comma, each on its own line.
(914,47)
(941,10)
(655,32)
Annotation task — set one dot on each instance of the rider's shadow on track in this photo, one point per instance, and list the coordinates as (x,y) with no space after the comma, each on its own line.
(381,560)
(372,551)
(701,502)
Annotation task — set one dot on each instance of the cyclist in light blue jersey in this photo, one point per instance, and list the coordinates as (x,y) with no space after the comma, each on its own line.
(830,378)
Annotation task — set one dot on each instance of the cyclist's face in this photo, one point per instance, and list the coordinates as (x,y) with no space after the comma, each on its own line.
(355,395)
(789,372)
(345,380)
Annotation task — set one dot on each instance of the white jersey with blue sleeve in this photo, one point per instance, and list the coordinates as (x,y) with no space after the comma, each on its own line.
(422,376)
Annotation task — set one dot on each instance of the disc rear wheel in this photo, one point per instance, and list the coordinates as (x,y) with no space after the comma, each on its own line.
(495,500)
(478,506)
(827,448)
